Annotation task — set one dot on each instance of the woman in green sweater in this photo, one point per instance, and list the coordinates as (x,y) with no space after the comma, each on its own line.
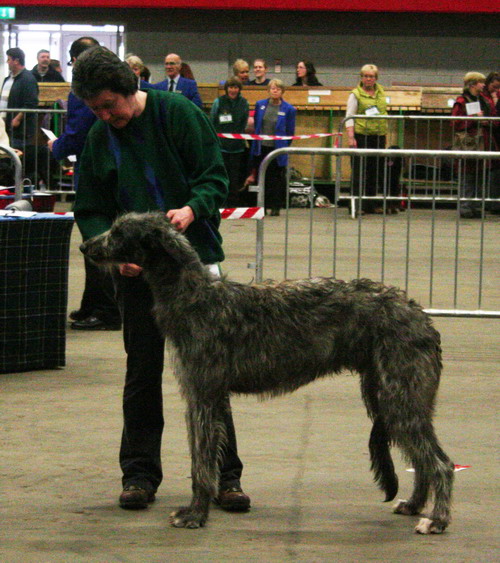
(149,150)
(229,114)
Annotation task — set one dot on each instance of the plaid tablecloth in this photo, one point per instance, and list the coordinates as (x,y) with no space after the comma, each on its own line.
(34,257)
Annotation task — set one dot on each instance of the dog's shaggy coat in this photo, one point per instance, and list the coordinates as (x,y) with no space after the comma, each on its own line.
(272,338)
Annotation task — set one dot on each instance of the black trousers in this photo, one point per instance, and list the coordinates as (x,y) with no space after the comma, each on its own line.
(368,172)
(236,167)
(140,452)
(98,295)
(275,186)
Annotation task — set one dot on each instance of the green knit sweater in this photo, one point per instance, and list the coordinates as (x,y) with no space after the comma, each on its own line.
(165,158)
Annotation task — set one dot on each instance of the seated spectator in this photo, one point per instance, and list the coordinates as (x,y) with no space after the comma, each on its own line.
(177,83)
(186,71)
(229,114)
(241,70)
(306,75)
(137,66)
(259,71)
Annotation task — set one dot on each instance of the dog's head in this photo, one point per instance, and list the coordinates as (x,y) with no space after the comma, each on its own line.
(138,238)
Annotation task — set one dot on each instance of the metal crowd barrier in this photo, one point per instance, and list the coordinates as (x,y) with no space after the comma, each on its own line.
(429,176)
(40,171)
(449,264)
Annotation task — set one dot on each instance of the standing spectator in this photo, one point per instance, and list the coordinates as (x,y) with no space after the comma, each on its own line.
(138,67)
(229,114)
(56,65)
(273,116)
(471,135)
(259,71)
(150,150)
(98,309)
(42,71)
(368,98)
(20,90)
(306,75)
(491,93)
(176,83)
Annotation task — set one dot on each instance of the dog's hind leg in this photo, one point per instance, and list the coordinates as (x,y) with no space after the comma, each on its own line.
(206,434)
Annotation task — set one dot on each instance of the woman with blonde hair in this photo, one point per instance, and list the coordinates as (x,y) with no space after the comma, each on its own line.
(273,116)
(470,135)
(367,98)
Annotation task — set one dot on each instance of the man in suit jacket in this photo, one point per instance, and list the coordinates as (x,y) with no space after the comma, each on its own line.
(176,83)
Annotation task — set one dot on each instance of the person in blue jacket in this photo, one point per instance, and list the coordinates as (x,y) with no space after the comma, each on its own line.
(273,116)
(98,309)
(176,83)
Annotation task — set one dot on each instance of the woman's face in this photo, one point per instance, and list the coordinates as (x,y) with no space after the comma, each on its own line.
(243,73)
(232,92)
(494,86)
(301,70)
(275,92)
(112,108)
(368,79)
(136,70)
(476,88)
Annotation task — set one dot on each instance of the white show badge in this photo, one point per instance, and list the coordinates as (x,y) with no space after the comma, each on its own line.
(372,111)
(226,118)
(473,108)
(281,113)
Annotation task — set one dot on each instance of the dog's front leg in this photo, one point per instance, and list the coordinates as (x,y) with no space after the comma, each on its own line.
(206,430)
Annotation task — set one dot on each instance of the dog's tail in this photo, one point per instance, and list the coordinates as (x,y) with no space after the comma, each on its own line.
(382,464)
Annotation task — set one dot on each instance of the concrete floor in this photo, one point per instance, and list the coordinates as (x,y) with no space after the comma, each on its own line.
(306,458)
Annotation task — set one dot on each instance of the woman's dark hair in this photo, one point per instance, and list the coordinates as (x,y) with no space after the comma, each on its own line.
(145,74)
(233,81)
(99,69)
(492,76)
(310,70)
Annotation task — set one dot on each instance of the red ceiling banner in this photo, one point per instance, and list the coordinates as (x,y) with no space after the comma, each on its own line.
(431,6)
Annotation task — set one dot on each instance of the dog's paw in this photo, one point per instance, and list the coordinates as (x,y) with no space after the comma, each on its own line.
(428,526)
(404,507)
(187,518)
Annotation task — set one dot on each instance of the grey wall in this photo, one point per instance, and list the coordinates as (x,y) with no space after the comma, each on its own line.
(415,48)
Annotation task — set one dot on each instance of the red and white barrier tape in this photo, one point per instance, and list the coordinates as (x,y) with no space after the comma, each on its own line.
(242,213)
(249,137)
(228,213)
(457,468)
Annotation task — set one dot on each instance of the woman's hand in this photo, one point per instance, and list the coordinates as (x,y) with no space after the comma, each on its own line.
(351,141)
(249,181)
(181,218)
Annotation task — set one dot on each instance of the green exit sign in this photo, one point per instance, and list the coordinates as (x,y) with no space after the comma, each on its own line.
(7,13)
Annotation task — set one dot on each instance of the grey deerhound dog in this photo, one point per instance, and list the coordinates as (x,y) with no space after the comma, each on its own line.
(272,338)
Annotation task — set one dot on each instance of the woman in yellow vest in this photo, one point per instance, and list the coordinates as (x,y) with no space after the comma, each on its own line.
(368,98)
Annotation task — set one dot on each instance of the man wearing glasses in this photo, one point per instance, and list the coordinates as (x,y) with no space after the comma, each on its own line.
(176,83)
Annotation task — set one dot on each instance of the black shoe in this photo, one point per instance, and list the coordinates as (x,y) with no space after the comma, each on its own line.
(275,212)
(93,323)
(79,315)
(233,499)
(135,498)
